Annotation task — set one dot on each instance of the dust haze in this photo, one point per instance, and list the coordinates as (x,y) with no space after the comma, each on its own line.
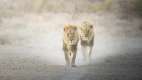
(31,33)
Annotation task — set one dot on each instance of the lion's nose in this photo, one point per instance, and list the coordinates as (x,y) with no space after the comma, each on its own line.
(71,39)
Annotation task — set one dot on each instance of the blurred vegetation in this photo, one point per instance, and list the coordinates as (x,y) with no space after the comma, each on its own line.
(73,6)
(138,7)
(55,5)
(130,7)
(106,5)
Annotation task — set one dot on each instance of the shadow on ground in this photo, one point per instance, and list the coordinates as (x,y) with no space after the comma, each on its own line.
(127,66)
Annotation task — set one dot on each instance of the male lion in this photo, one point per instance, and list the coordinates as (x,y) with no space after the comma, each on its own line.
(70,41)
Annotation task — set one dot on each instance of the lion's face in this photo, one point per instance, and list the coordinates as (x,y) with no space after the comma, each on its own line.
(85,31)
(70,33)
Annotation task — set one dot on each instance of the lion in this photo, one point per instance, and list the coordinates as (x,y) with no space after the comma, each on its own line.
(70,42)
(86,35)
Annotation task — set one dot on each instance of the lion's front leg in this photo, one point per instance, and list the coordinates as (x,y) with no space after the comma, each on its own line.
(89,52)
(84,53)
(73,59)
(67,58)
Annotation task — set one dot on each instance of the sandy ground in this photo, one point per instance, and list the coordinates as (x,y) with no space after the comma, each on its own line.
(31,48)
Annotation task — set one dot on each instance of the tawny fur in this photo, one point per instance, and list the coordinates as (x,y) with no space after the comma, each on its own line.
(86,32)
(70,41)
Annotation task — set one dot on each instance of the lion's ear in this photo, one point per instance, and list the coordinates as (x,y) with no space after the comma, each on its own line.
(65,28)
